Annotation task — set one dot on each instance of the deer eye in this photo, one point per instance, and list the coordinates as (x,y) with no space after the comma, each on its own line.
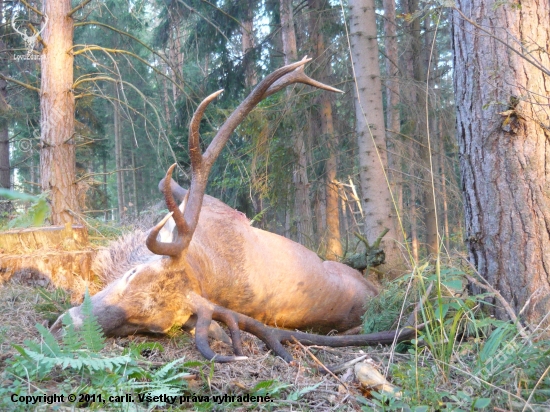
(130,274)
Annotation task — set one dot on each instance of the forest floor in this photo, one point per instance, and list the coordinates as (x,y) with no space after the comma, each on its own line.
(171,365)
(291,387)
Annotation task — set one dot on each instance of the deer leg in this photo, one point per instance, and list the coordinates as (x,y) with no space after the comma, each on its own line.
(226,317)
(204,319)
(215,331)
(274,338)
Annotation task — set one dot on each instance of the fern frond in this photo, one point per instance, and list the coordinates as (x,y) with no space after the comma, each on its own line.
(92,334)
(71,339)
(49,342)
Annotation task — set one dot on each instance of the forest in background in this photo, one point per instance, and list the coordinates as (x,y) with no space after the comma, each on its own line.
(141,68)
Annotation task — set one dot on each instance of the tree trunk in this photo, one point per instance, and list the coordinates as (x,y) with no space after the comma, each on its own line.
(301,183)
(119,162)
(421,74)
(287,31)
(134,184)
(105,202)
(4,137)
(376,197)
(334,246)
(247,31)
(393,98)
(4,108)
(57,154)
(444,201)
(503,135)
(333,242)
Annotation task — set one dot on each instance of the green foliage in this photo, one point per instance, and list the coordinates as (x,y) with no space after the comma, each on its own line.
(53,303)
(384,310)
(462,360)
(34,215)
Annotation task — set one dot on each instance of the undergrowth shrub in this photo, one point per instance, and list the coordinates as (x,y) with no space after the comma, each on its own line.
(463,359)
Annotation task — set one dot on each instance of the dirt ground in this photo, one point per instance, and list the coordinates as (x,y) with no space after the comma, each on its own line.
(18,316)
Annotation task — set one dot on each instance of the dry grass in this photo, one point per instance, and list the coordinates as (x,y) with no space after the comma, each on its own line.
(18,317)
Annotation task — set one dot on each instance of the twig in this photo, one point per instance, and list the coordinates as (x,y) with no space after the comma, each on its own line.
(80,6)
(342,366)
(502,301)
(320,363)
(27,5)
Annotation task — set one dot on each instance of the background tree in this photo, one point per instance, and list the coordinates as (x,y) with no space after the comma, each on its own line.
(57,106)
(376,197)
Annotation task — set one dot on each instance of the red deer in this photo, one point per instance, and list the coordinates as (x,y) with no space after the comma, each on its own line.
(208,263)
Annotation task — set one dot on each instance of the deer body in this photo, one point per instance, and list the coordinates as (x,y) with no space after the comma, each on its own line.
(270,278)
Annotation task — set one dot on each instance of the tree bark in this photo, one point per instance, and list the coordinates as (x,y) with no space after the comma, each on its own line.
(376,197)
(503,135)
(247,31)
(119,161)
(4,109)
(302,203)
(333,243)
(393,98)
(57,140)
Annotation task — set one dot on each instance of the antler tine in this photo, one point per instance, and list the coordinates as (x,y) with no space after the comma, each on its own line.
(201,163)
(298,76)
(13,25)
(176,247)
(194,142)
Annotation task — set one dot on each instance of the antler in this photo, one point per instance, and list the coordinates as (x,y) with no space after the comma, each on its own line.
(201,163)
(274,338)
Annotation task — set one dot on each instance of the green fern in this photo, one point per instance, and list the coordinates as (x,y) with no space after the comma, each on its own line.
(92,334)
(71,338)
(49,342)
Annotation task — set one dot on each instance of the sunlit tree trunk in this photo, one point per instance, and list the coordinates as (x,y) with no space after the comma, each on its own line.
(57,140)
(4,136)
(421,73)
(301,184)
(503,135)
(376,197)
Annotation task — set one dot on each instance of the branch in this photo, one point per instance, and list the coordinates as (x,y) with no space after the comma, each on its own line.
(96,23)
(80,6)
(25,85)
(27,5)
(107,50)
